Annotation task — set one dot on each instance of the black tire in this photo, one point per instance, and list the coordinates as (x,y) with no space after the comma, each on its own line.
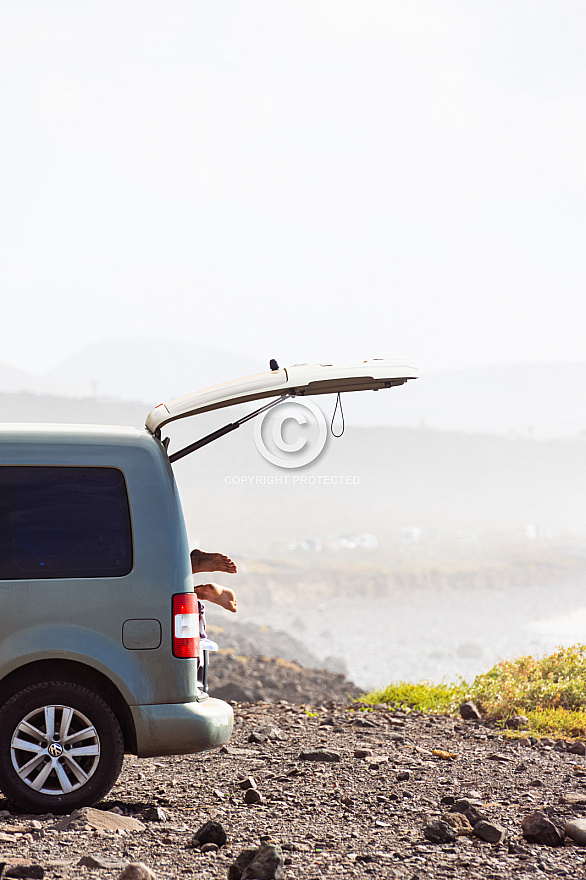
(61,748)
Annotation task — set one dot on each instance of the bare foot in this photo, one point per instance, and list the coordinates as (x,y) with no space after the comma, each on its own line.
(218,595)
(201,561)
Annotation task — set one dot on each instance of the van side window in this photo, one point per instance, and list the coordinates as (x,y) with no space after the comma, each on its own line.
(64,522)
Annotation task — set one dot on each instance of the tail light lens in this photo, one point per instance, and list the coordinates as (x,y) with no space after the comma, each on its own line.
(185,625)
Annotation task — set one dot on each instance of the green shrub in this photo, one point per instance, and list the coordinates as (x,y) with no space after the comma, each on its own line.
(528,684)
(440,698)
(550,691)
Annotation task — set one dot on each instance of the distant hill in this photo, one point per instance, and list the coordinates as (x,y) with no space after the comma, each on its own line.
(535,400)
(530,400)
(40,408)
(152,370)
(13,381)
(539,400)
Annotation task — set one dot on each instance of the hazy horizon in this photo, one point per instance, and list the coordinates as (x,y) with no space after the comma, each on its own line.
(533,400)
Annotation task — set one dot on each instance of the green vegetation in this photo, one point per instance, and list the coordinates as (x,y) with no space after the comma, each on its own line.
(439,698)
(550,691)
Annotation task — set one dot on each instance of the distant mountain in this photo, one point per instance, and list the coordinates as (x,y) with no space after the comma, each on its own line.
(65,410)
(534,400)
(151,370)
(13,381)
(531,400)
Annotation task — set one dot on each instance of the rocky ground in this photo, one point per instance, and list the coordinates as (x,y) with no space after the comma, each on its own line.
(250,679)
(343,791)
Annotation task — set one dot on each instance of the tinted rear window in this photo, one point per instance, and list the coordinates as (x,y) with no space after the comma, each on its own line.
(61,522)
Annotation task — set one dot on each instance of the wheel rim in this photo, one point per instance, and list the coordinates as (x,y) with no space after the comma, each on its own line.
(55,749)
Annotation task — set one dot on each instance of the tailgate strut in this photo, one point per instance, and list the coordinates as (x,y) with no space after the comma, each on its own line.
(209,438)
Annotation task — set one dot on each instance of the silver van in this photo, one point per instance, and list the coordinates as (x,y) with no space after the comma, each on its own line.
(99,626)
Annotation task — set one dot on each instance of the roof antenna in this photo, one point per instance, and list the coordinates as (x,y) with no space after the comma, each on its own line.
(273,364)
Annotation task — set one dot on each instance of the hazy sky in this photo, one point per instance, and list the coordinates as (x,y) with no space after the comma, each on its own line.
(305,180)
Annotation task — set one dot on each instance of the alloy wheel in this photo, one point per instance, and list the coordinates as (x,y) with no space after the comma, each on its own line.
(55,749)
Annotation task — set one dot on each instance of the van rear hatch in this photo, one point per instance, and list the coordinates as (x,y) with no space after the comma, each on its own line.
(297,381)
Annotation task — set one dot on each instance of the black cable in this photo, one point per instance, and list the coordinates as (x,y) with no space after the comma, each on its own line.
(338,404)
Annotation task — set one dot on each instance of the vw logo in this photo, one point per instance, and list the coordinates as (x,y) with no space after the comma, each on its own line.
(55,750)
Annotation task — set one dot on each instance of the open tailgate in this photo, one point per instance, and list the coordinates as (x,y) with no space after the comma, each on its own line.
(299,380)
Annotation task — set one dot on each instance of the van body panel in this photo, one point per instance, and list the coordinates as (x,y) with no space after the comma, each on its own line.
(138,681)
(82,619)
(183,728)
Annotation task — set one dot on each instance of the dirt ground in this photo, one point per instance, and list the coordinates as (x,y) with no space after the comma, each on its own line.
(345,792)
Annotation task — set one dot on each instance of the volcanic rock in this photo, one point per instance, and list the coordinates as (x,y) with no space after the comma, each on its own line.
(101,820)
(517,722)
(22,871)
(537,828)
(459,822)
(470,809)
(102,862)
(320,755)
(136,871)
(264,863)
(267,864)
(210,832)
(489,831)
(437,831)
(576,829)
(574,798)
(469,711)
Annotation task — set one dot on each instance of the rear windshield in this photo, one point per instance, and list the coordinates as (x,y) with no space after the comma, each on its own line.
(63,522)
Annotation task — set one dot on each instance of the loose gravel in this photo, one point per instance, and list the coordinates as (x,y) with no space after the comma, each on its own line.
(344,791)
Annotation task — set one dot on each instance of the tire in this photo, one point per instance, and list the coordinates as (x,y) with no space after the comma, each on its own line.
(61,748)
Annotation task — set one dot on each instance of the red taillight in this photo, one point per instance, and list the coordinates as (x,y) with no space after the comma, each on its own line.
(185,625)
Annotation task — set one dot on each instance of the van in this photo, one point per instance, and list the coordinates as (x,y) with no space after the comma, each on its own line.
(99,630)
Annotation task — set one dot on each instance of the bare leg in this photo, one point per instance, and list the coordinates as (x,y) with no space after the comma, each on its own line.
(201,561)
(218,595)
